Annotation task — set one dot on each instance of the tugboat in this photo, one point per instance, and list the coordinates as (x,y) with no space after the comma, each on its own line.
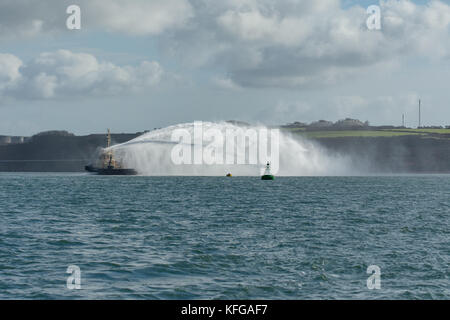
(108,165)
(267,175)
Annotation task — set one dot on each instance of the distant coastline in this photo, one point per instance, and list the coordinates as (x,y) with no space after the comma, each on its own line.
(389,149)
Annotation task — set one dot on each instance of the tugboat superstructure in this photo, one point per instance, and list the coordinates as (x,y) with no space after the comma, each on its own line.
(108,164)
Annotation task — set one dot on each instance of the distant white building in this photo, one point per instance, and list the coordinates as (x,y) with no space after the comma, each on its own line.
(6,140)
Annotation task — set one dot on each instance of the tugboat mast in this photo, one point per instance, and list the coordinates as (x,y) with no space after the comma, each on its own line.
(108,139)
(109,154)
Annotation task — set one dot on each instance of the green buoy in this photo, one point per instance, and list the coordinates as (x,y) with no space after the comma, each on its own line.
(267,175)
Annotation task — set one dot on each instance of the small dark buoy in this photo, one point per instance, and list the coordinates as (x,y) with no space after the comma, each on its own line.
(229,175)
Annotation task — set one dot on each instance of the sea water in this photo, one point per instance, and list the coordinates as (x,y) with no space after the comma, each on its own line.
(224,238)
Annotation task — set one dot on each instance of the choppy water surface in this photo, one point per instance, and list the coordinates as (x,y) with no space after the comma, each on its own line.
(224,238)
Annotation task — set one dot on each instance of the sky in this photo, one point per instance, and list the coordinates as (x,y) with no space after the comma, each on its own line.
(141,64)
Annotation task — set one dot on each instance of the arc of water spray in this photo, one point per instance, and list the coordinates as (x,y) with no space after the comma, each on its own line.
(151,154)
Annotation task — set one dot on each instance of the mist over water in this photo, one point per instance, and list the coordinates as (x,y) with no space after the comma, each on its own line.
(151,152)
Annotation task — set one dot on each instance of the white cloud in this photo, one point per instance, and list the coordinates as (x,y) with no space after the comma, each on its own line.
(257,43)
(25,18)
(140,17)
(65,73)
(304,44)
(268,24)
(9,70)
